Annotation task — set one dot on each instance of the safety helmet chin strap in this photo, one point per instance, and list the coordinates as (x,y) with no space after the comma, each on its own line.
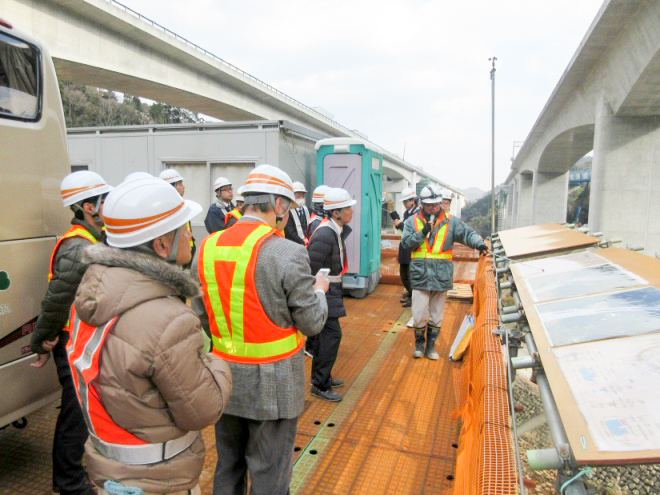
(171,257)
(272,199)
(95,214)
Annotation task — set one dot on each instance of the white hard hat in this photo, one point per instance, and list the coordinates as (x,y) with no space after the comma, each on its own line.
(138,175)
(336,198)
(299,187)
(170,175)
(82,185)
(141,210)
(319,192)
(446,194)
(221,182)
(430,195)
(268,179)
(408,193)
(239,194)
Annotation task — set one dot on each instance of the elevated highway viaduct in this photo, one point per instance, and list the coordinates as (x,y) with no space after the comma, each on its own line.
(104,44)
(608,101)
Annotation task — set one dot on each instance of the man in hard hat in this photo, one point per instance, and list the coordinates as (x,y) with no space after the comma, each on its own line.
(235,215)
(84,192)
(327,249)
(296,227)
(430,235)
(318,213)
(259,298)
(215,217)
(173,177)
(409,198)
(145,385)
(446,200)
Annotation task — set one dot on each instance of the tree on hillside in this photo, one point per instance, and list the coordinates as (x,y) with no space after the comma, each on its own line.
(85,106)
(477,216)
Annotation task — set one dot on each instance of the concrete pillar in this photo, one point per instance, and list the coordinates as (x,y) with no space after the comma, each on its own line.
(602,132)
(550,195)
(525,200)
(508,209)
(625,179)
(515,200)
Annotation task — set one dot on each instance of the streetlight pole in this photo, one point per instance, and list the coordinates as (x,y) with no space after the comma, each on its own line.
(492,156)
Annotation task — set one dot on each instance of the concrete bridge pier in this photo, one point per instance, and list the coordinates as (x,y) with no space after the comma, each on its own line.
(525,201)
(550,196)
(625,180)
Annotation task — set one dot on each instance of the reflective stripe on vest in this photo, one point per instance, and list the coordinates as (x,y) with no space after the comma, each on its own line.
(192,239)
(296,220)
(235,213)
(328,223)
(111,440)
(241,330)
(74,231)
(424,251)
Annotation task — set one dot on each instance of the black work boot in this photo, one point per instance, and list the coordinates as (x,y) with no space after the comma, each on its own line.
(419,343)
(328,395)
(431,336)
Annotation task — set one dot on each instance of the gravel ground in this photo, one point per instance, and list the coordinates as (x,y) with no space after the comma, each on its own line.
(612,480)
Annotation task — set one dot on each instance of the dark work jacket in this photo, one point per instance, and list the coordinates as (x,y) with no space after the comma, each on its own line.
(215,218)
(290,231)
(68,271)
(320,215)
(404,254)
(323,252)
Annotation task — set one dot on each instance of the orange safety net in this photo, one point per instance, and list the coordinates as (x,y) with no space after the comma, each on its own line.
(485,464)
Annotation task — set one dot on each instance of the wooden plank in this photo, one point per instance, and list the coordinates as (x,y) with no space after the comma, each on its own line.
(461,291)
(537,239)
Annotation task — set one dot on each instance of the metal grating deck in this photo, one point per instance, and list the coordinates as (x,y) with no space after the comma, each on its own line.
(392,433)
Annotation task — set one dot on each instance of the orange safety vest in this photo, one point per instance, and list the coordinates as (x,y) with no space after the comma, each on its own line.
(111,440)
(241,330)
(235,213)
(74,231)
(424,250)
(84,351)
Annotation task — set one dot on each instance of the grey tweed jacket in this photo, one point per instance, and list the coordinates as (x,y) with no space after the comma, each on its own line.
(285,288)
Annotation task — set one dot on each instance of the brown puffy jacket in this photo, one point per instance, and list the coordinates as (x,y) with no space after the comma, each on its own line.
(155,380)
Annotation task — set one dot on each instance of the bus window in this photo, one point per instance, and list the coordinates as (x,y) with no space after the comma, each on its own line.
(19,79)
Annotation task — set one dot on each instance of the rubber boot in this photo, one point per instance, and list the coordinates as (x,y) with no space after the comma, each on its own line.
(419,343)
(431,337)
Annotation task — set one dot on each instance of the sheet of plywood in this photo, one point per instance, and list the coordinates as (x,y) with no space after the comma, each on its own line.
(537,239)
(575,425)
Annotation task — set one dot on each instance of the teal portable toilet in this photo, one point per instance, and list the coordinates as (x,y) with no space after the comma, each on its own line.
(357,166)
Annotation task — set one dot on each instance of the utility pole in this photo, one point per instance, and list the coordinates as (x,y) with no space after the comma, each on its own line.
(492,156)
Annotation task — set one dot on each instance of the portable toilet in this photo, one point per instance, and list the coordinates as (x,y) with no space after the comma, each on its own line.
(357,166)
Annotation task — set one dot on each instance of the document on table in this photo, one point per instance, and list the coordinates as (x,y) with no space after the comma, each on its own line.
(615,385)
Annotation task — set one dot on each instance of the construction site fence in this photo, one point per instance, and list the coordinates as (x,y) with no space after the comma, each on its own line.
(486,463)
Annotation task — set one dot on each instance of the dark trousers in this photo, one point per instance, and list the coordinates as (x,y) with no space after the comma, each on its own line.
(70,431)
(325,349)
(262,448)
(404,272)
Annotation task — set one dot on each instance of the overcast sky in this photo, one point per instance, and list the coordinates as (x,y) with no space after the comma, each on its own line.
(410,74)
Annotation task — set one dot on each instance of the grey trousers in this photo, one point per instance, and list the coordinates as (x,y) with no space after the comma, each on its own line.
(428,307)
(264,449)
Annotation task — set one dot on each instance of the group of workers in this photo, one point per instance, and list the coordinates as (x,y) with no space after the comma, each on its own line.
(137,382)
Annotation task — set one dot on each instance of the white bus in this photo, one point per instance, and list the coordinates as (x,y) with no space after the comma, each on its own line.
(33,160)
